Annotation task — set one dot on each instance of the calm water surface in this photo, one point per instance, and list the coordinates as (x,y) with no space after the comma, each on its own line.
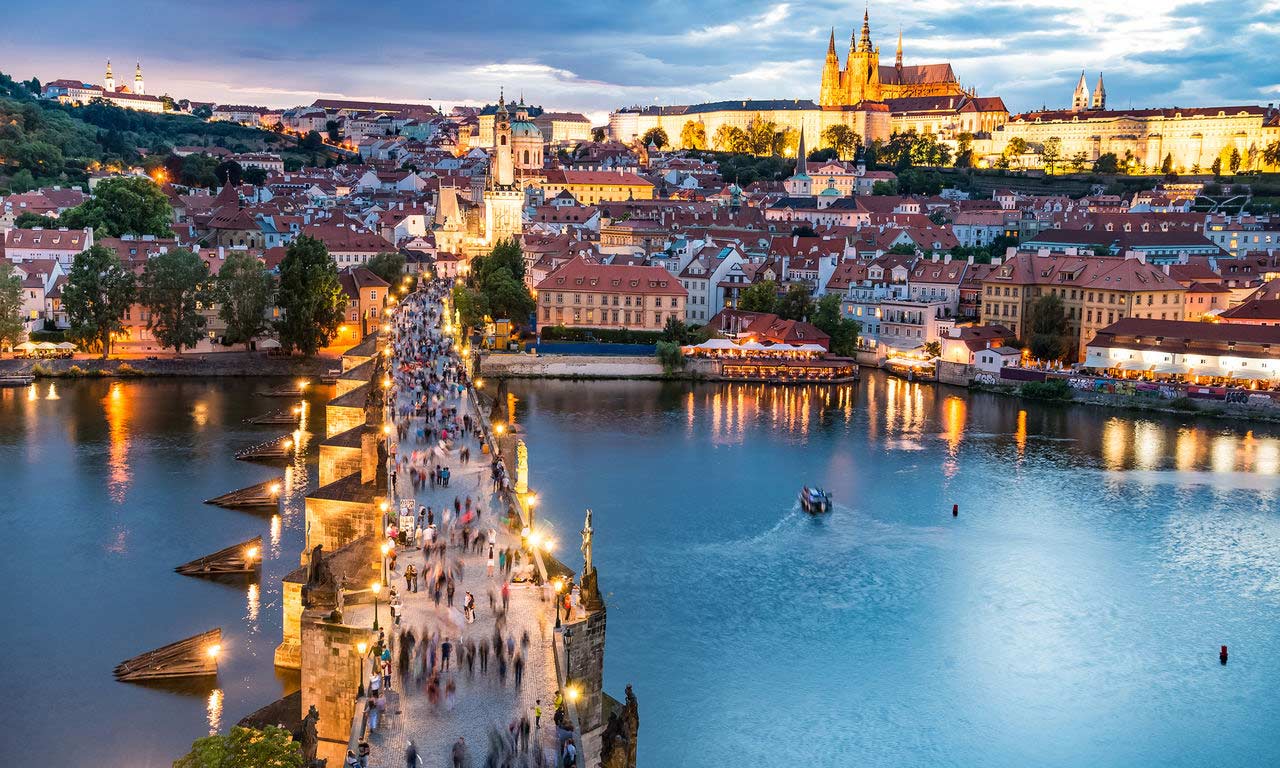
(101,498)
(1070,616)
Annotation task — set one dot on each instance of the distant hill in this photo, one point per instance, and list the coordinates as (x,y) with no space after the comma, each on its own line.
(43,142)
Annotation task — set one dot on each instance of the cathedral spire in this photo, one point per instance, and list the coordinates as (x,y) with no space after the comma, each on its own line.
(831,46)
(109,81)
(1080,100)
(865,43)
(802,160)
(897,60)
(1099,94)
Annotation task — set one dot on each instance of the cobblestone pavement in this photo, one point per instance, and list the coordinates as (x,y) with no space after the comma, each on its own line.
(482,701)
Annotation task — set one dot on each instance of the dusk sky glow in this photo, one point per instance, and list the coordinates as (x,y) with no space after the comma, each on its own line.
(593,57)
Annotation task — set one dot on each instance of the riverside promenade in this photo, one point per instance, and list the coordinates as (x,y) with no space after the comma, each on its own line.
(486,705)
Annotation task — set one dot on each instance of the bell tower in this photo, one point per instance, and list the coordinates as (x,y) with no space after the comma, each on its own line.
(109,81)
(138,86)
(829,95)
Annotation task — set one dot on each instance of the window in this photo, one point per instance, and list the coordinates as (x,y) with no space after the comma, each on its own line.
(373,295)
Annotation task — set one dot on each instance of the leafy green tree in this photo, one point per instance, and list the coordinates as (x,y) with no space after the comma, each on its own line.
(760,135)
(670,355)
(271,747)
(310,297)
(842,330)
(1216,168)
(903,249)
(1166,167)
(598,134)
(1052,153)
(98,292)
(128,205)
(760,297)
(657,136)
(204,112)
(229,172)
(12,327)
(823,155)
(470,304)
(693,135)
(730,138)
(1046,329)
(334,132)
(29,220)
(1078,161)
(255,176)
(39,157)
(933,348)
(803,230)
(388,265)
(843,139)
(1271,154)
(796,303)
(676,331)
(174,284)
(1014,149)
(884,188)
(22,181)
(199,170)
(1107,162)
(964,150)
(243,290)
(312,142)
(1235,160)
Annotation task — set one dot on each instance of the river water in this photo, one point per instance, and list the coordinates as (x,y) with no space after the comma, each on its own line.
(1071,614)
(102,493)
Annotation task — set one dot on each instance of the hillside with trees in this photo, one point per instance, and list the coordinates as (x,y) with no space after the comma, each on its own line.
(44,142)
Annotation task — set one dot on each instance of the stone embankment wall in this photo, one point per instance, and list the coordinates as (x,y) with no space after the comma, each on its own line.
(193,364)
(570,367)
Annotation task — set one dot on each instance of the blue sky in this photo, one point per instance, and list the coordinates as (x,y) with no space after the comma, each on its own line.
(594,55)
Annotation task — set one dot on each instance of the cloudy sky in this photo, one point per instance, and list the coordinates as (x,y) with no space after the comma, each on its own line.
(597,55)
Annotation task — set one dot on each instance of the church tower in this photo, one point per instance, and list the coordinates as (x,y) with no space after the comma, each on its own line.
(503,201)
(138,86)
(504,175)
(1080,101)
(800,185)
(1099,94)
(862,71)
(109,82)
(829,95)
(897,58)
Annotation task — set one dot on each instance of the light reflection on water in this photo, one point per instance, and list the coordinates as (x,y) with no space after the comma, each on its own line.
(115,473)
(1069,616)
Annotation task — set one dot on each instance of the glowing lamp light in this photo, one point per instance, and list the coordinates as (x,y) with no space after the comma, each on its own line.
(479,383)
(297,409)
(251,553)
(531,499)
(559,585)
(535,540)
(275,488)
(383,506)
(376,587)
(548,545)
(386,429)
(499,429)
(303,383)
(288,443)
(573,692)
(361,647)
(386,382)
(213,650)
(385,549)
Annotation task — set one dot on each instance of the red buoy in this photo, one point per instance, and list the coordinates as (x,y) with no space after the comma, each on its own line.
(955,510)
(1222,655)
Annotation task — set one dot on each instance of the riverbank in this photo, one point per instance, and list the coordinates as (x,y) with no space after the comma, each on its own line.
(222,364)
(1213,409)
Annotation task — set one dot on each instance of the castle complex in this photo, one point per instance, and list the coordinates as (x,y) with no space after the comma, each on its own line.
(877,100)
(874,100)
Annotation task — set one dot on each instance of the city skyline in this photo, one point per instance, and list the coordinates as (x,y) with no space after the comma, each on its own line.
(597,59)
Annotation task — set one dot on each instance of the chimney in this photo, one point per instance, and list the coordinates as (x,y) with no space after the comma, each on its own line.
(946,259)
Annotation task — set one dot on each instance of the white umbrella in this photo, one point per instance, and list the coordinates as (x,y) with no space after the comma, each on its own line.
(65,345)
(25,346)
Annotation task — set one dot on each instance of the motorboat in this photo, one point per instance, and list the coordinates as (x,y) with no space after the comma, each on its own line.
(815,501)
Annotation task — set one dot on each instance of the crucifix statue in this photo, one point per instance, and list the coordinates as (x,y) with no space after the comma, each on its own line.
(586,545)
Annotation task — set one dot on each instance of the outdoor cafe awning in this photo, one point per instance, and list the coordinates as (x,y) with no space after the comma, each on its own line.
(25,346)
(65,345)
(46,346)
(1132,365)
(1251,375)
